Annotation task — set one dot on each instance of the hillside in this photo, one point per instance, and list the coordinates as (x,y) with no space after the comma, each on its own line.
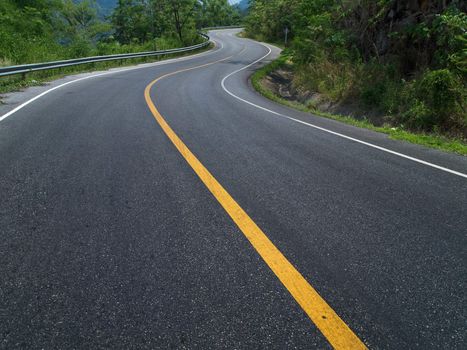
(403,60)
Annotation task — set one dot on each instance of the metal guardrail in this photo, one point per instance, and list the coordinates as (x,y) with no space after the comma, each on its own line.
(34,67)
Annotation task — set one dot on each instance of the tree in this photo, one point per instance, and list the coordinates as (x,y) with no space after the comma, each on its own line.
(182,15)
(131,22)
(217,13)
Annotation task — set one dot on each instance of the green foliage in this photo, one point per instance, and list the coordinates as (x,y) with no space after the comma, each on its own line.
(418,115)
(377,86)
(143,20)
(45,30)
(370,51)
(23,33)
(135,22)
(334,80)
(268,18)
(429,140)
(450,31)
(212,13)
(435,100)
(34,31)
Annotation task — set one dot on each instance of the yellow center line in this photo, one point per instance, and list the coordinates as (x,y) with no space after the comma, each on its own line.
(338,334)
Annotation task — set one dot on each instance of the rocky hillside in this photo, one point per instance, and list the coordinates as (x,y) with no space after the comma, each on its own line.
(404,59)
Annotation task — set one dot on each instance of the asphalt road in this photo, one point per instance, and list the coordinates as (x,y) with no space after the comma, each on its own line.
(109,239)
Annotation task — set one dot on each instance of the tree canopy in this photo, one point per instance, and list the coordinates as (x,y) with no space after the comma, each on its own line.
(41,30)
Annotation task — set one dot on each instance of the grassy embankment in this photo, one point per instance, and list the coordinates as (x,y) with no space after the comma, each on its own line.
(425,139)
(401,64)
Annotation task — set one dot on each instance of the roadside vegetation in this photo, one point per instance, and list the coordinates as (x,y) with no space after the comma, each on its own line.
(396,66)
(47,30)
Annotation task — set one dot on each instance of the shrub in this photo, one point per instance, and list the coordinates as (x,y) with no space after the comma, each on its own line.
(372,94)
(379,86)
(436,99)
(449,29)
(418,116)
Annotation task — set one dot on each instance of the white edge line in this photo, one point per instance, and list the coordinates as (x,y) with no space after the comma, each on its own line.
(141,66)
(327,130)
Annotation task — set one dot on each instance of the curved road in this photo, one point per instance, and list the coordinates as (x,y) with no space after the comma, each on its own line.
(111,237)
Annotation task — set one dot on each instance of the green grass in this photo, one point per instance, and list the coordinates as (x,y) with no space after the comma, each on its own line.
(17,83)
(429,140)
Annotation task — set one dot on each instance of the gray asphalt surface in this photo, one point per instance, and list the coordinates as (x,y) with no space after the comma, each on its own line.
(109,239)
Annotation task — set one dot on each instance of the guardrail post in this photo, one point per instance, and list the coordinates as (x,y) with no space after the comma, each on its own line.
(23,76)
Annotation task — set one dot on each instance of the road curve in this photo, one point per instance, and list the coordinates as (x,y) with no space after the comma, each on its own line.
(109,239)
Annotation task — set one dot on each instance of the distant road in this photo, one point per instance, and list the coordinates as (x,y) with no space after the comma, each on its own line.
(171,206)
